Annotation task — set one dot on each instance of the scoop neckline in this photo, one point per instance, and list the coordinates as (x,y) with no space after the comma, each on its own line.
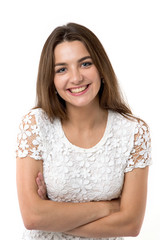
(98,144)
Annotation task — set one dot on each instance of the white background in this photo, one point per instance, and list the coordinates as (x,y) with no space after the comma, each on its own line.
(129,31)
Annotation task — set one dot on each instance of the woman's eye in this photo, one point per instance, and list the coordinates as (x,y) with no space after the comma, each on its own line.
(61,70)
(86,64)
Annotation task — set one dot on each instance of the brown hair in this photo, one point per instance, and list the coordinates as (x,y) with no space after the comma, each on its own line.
(109,94)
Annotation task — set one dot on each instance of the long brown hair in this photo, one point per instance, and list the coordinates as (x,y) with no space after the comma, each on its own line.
(109,95)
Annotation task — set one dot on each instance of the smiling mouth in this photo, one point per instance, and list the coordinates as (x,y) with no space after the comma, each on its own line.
(78,89)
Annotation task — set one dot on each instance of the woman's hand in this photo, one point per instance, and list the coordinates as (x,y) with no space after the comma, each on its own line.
(42,190)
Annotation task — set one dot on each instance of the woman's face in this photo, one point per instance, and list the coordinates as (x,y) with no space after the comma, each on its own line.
(77,79)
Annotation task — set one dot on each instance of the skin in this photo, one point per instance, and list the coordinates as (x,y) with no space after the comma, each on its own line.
(48,215)
(42,191)
(74,68)
(75,72)
(128,220)
(87,120)
(124,217)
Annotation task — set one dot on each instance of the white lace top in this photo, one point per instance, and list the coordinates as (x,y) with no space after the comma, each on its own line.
(74,174)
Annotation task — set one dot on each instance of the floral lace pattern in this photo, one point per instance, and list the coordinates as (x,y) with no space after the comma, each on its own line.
(74,174)
(44,235)
(29,141)
(141,153)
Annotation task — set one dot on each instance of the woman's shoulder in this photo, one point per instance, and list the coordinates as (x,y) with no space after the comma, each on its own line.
(128,125)
(122,119)
(36,112)
(35,115)
(37,119)
(130,119)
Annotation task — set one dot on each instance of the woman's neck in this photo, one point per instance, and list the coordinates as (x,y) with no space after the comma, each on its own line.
(85,117)
(86,126)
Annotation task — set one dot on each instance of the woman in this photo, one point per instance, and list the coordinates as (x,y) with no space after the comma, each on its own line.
(93,153)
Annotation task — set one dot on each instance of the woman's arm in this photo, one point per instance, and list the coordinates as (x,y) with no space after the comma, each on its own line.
(112,205)
(128,220)
(48,215)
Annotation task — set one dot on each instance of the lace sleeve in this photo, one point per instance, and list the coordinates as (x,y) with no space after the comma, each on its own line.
(28,139)
(140,156)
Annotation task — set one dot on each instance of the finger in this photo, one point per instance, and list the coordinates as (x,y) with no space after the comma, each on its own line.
(43,190)
(41,186)
(41,178)
(38,181)
(41,194)
(40,175)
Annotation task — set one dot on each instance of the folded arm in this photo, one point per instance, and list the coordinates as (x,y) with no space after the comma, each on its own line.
(128,220)
(49,215)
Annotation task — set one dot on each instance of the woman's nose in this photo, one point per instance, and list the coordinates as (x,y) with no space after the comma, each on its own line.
(76,76)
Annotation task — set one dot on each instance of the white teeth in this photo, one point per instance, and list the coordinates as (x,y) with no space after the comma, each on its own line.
(77,90)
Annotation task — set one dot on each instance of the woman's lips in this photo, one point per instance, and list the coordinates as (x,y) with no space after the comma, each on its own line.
(77,91)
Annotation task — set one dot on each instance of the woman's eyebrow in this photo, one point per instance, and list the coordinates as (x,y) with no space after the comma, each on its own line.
(80,60)
(84,58)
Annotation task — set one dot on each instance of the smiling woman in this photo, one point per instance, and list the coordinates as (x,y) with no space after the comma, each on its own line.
(78,82)
(93,154)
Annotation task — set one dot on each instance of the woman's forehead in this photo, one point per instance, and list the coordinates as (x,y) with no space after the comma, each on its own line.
(70,50)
